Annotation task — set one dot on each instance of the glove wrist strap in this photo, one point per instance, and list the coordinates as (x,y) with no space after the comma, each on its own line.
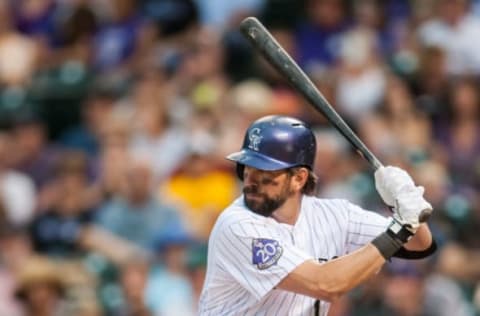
(390,241)
(399,231)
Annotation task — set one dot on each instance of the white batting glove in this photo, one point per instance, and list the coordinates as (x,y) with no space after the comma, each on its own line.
(390,181)
(398,190)
(408,206)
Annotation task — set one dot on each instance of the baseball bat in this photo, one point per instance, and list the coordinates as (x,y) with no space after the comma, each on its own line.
(271,50)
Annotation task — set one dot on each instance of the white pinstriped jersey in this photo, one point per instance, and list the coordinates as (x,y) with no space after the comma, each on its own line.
(249,254)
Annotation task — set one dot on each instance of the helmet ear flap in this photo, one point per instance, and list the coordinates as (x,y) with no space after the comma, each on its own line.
(239,169)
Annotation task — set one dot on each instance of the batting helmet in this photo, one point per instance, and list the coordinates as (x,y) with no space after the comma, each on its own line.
(276,142)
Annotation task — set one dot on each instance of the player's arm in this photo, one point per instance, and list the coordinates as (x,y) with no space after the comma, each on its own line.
(330,280)
(422,239)
(404,237)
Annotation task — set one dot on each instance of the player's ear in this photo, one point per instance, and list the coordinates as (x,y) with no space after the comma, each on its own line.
(299,178)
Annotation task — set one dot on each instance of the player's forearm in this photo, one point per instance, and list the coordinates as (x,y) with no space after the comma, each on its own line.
(421,240)
(330,280)
(345,273)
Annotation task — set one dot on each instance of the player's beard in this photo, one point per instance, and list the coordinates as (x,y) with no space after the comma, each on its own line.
(266,205)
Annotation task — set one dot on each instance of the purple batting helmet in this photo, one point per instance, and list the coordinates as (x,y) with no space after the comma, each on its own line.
(276,142)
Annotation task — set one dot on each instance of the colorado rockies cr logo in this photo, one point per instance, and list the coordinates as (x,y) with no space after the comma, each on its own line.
(255,139)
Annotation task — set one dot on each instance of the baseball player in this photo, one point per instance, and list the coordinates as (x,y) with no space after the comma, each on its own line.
(278,250)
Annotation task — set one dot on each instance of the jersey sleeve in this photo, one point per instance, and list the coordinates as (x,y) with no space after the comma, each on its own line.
(256,257)
(363,226)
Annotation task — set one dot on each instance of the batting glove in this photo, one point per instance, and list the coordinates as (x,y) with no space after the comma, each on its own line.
(408,206)
(398,190)
(390,181)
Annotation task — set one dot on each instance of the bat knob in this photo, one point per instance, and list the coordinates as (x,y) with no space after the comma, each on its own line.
(425,215)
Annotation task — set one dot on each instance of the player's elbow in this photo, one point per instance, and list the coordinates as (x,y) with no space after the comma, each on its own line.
(329,297)
(328,293)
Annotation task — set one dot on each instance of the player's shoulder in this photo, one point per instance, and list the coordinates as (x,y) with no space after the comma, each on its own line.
(325,204)
(322,208)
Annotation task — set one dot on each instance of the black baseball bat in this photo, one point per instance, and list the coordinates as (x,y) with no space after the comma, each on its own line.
(271,50)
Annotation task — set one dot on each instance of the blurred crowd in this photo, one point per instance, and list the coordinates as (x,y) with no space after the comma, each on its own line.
(116,115)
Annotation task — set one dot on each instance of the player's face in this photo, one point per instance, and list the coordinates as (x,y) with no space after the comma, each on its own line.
(266,191)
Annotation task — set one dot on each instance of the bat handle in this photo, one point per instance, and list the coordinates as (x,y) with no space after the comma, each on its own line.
(376,163)
(367,155)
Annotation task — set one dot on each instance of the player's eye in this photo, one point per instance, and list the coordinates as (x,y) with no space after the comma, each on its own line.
(267,181)
(270,180)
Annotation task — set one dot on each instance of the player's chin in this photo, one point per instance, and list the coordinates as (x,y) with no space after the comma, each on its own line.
(253,201)
(258,206)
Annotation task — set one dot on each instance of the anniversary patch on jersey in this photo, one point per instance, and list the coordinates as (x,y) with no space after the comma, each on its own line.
(266,252)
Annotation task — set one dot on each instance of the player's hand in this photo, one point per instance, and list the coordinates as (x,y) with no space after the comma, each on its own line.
(390,182)
(408,207)
(398,190)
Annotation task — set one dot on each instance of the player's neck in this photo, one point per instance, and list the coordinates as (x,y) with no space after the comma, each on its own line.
(289,211)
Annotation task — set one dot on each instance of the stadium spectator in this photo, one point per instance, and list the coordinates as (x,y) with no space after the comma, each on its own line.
(137,215)
(454,29)
(17,190)
(56,230)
